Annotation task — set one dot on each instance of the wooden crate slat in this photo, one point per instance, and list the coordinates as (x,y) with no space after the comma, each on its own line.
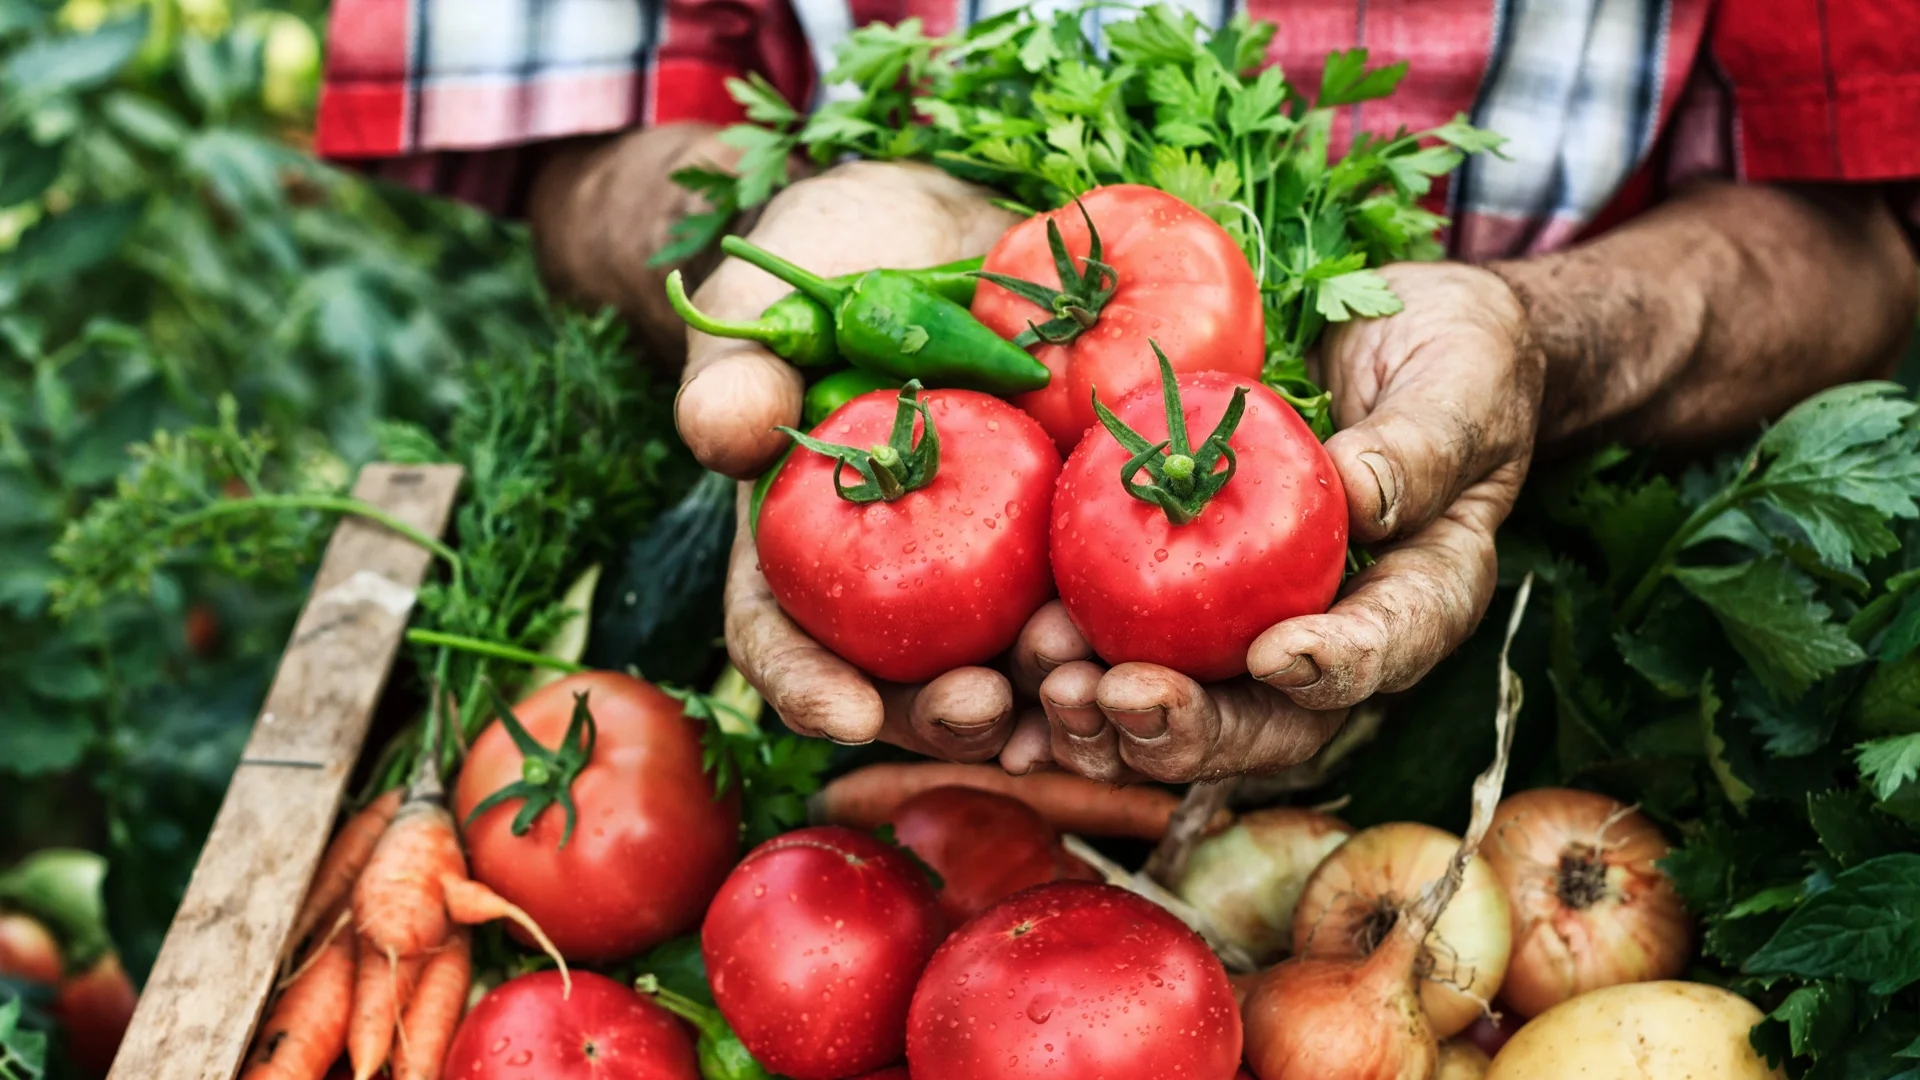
(202,1002)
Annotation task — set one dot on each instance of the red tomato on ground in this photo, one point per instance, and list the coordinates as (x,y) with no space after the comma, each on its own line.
(813,947)
(1179,278)
(938,578)
(1074,979)
(28,951)
(985,846)
(651,843)
(94,1009)
(1269,545)
(524,1030)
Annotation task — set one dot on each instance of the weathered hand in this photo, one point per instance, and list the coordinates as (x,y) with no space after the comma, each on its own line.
(734,393)
(1437,407)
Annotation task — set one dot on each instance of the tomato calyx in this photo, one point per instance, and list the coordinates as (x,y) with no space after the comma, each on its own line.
(722,1055)
(891,469)
(546,775)
(1077,303)
(1182,481)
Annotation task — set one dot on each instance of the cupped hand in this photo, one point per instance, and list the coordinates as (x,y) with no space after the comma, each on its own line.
(734,394)
(1437,408)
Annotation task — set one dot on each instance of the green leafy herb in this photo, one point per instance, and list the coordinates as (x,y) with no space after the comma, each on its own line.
(1028,103)
(775,772)
(1865,927)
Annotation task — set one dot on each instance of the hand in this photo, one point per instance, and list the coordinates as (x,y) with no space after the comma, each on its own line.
(734,393)
(1437,407)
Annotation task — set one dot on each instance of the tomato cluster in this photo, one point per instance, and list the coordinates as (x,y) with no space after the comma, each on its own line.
(916,533)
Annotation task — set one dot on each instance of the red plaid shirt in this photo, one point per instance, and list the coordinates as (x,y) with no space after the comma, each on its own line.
(1605,102)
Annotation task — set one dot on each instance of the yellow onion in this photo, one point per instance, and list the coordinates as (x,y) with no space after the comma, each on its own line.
(1365,888)
(1342,1018)
(1247,878)
(1590,906)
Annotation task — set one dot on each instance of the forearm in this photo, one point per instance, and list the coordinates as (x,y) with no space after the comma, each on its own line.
(601,208)
(1716,311)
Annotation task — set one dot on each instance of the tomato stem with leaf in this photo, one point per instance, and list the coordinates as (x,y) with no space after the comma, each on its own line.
(546,776)
(1184,480)
(889,469)
(1077,303)
(721,1053)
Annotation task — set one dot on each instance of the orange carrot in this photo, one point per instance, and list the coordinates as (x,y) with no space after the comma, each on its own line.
(381,989)
(307,1029)
(471,902)
(866,798)
(398,900)
(438,1000)
(348,854)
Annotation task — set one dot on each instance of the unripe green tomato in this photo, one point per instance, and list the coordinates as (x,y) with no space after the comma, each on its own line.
(290,59)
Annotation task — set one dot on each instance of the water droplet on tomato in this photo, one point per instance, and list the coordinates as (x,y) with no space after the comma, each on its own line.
(1041,1007)
(993,425)
(1159,554)
(910,548)
(1199,568)
(759,891)
(1013,509)
(991,522)
(524,1057)
(501,1046)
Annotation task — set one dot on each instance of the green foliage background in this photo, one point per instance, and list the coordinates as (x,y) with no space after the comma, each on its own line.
(165,238)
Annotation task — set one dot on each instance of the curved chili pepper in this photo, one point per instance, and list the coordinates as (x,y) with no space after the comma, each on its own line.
(839,388)
(889,323)
(797,329)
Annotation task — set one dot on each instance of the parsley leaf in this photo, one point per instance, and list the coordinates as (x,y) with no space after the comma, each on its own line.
(1356,292)
(1346,79)
(1889,764)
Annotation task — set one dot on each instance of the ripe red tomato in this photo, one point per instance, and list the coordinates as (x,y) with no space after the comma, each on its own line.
(651,843)
(938,578)
(1179,278)
(27,950)
(94,1009)
(524,1030)
(813,947)
(985,846)
(1270,545)
(1074,979)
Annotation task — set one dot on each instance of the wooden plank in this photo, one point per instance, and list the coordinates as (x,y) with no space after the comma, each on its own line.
(201,1003)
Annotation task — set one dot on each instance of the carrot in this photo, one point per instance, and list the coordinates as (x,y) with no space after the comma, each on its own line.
(438,1000)
(381,989)
(471,902)
(398,899)
(348,854)
(866,798)
(307,1029)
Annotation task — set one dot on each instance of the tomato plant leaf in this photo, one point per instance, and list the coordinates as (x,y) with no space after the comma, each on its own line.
(1865,927)
(65,64)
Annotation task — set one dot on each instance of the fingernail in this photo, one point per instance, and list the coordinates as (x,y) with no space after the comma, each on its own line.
(1141,723)
(847,742)
(1382,471)
(1301,672)
(1045,663)
(968,731)
(1080,721)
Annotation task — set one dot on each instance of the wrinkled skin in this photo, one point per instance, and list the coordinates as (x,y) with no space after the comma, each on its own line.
(1074,979)
(651,843)
(813,947)
(525,1030)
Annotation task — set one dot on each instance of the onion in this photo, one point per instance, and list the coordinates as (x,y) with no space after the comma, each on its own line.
(1247,878)
(1590,906)
(1364,889)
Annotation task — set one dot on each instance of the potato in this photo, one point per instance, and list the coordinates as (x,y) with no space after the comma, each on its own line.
(1461,1060)
(1635,1031)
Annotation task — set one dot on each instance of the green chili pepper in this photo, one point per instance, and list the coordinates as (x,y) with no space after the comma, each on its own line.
(839,388)
(889,323)
(797,329)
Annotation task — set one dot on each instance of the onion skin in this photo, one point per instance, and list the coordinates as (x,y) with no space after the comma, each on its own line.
(1384,868)
(1248,877)
(1341,1019)
(1543,846)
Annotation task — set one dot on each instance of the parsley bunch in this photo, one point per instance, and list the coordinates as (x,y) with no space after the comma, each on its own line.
(1033,106)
